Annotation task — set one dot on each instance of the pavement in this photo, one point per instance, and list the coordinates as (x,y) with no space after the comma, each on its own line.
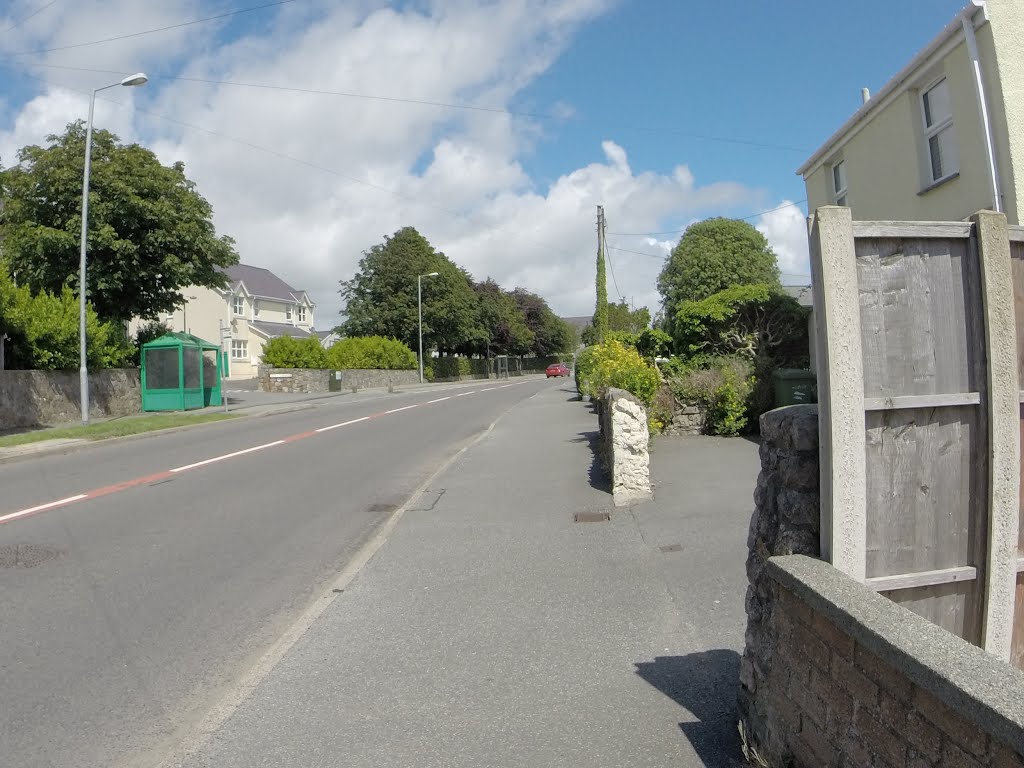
(489,629)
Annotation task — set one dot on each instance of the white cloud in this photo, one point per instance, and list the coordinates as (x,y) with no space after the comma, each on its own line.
(786,230)
(370,166)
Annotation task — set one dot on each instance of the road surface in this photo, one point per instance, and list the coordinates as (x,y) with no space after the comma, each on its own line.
(140,579)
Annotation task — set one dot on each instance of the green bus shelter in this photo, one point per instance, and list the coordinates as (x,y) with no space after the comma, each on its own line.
(180,372)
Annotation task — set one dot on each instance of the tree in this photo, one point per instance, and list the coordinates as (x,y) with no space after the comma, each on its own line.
(380,299)
(502,321)
(150,231)
(551,334)
(621,318)
(713,255)
(600,321)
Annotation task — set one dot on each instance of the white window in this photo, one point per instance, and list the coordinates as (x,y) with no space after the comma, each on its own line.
(238,305)
(302,314)
(255,308)
(937,111)
(239,349)
(839,183)
(288,312)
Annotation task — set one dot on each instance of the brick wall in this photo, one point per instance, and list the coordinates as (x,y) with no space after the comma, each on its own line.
(829,698)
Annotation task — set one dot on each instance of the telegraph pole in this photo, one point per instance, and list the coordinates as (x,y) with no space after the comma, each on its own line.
(601,308)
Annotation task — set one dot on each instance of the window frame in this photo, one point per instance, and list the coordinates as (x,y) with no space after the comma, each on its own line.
(840,195)
(239,349)
(935,130)
(288,312)
(255,308)
(301,318)
(238,306)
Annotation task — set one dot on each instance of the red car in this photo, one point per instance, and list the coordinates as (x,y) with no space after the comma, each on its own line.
(557,369)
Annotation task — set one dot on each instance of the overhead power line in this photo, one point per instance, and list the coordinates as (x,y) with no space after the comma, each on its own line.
(153,31)
(678,231)
(34,13)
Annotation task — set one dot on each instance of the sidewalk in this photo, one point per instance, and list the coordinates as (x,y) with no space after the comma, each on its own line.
(492,630)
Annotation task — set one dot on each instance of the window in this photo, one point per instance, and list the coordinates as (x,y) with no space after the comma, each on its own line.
(937,111)
(302,314)
(839,183)
(239,349)
(238,305)
(255,308)
(288,312)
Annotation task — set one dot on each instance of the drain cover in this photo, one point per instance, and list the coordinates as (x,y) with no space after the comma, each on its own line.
(671,548)
(590,517)
(27,555)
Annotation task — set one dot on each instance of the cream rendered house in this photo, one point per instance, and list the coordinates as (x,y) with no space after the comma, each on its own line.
(944,138)
(256,306)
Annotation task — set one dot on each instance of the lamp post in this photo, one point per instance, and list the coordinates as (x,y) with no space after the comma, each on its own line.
(419,304)
(184,313)
(138,78)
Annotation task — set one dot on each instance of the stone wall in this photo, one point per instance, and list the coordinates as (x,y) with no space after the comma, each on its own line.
(786,521)
(851,679)
(624,446)
(42,398)
(313,380)
(686,420)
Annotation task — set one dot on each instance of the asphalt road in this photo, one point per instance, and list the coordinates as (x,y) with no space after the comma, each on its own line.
(165,566)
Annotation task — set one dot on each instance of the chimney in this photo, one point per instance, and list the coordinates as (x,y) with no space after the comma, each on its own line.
(865,94)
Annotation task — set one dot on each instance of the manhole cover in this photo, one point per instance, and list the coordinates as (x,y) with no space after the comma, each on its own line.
(590,517)
(27,555)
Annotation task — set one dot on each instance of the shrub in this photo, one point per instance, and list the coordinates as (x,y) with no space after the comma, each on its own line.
(372,352)
(613,364)
(451,366)
(289,352)
(723,390)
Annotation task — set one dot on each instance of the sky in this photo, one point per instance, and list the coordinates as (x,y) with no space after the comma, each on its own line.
(495,127)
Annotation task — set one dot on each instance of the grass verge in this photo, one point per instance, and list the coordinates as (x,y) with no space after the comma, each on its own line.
(115,428)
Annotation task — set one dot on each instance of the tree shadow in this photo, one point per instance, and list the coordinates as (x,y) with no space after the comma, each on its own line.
(705,684)
(596,475)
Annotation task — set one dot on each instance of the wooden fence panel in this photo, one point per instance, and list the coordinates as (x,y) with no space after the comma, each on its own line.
(931,345)
(1017,262)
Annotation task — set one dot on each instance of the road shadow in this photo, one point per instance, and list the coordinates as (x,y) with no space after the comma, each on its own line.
(595,474)
(705,684)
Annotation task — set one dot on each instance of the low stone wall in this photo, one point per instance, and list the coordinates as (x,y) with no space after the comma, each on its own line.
(786,521)
(312,380)
(624,446)
(686,420)
(851,679)
(42,398)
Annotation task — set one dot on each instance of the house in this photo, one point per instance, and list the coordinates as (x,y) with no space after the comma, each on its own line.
(944,138)
(256,305)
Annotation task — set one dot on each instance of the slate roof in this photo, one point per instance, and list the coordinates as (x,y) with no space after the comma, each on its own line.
(261,282)
(273,330)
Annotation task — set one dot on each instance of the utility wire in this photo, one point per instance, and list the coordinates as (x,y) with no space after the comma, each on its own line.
(677,231)
(36,12)
(153,31)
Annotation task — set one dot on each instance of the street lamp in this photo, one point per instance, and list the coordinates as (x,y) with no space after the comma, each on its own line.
(419,304)
(138,78)
(184,313)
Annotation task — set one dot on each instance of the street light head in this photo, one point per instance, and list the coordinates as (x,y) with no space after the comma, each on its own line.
(432,274)
(139,78)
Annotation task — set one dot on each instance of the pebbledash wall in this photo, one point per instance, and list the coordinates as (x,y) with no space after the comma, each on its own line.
(834,674)
(41,398)
(311,380)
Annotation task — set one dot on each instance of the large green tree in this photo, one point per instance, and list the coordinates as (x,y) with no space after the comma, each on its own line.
(551,334)
(622,318)
(713,255)
(502,321)
(380,299)
(150,231)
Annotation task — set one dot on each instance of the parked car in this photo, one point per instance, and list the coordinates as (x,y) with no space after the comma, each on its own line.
(557,369)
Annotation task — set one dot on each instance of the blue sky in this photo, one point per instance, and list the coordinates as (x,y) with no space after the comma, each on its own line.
(508,196)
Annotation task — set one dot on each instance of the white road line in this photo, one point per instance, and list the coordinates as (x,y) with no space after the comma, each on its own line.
(463,394)
(227,456)
(506,386)
(439,400)
(41,507)
(488,389)
(343,424)
(403,408)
